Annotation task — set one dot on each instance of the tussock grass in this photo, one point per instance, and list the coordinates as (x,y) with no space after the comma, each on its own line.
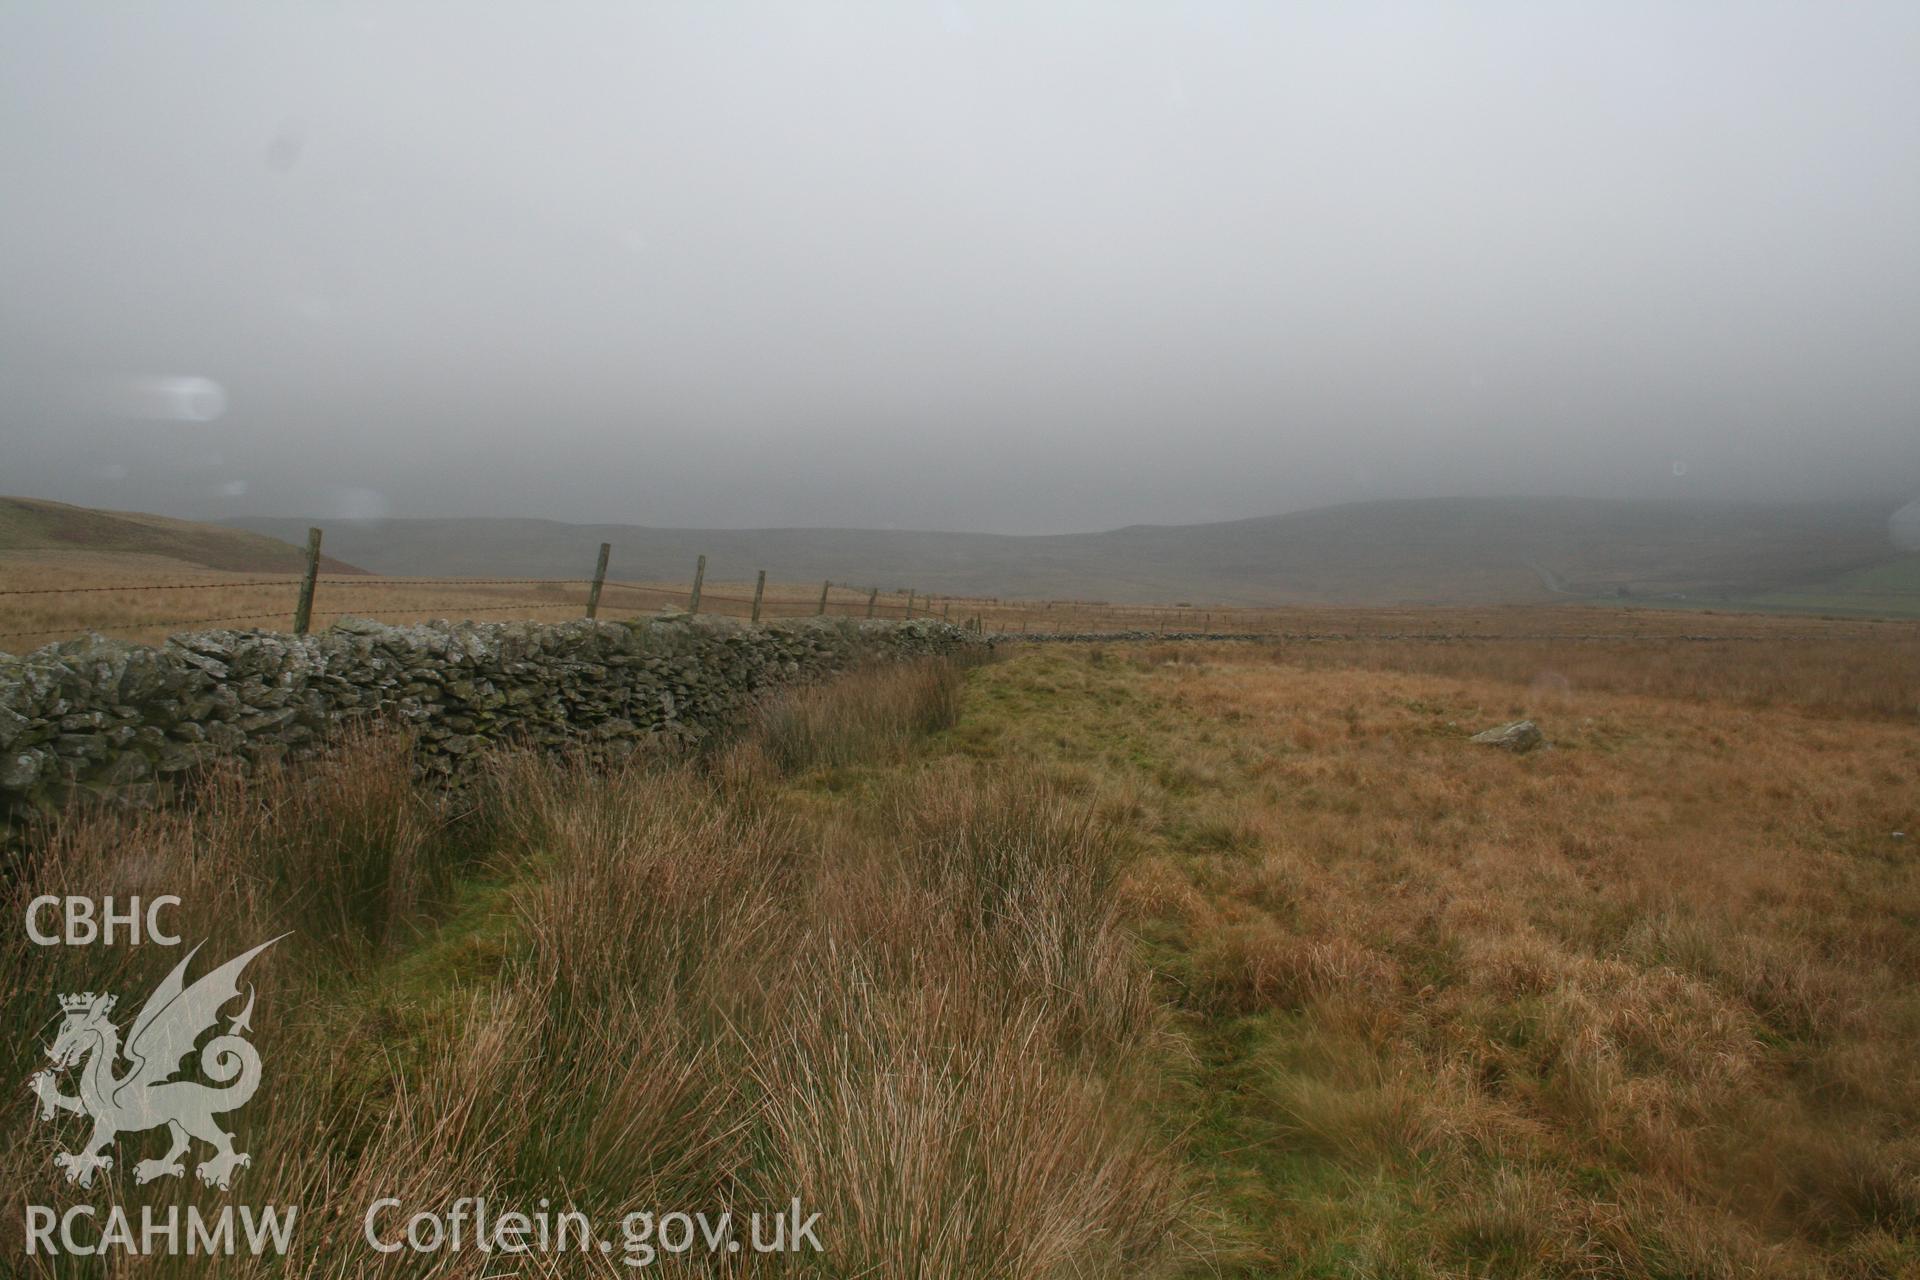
(671,986)
(887,709)
(1639,1006)
(1030,875)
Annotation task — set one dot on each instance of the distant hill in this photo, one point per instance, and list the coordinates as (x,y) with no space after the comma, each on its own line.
(1457,550)
(30,524)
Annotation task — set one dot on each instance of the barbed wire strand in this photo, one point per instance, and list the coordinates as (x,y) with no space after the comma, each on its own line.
(294,581)
(170,586)
(453,582)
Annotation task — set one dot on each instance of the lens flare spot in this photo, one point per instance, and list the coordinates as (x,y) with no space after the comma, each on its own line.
(177,399)
(361,504)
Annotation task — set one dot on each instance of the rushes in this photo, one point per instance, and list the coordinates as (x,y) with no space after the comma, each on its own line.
(347,847)
(650,881)
(930,1087)
(963,1092)
(670,990)
(949,1141)
(869,716)
(1030,875)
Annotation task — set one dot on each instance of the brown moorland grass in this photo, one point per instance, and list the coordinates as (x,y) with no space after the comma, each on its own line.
(1641,1005)
(1854,674)
(709,985)
(1216,960)
(108,592)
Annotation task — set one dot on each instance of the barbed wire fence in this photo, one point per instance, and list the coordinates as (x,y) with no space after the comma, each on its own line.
(312,596)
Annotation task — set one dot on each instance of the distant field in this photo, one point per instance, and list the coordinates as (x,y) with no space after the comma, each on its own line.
(1889,590)
(49,595)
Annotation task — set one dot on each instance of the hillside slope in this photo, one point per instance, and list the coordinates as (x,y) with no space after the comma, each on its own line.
(1889,588)
(1461,550)
(31,524)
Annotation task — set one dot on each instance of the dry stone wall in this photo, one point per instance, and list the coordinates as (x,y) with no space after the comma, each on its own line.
(102,716)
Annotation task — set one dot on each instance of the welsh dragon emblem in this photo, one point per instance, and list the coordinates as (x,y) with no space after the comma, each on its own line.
(145,1096)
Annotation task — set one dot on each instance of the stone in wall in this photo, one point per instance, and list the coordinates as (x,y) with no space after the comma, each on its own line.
(102,717)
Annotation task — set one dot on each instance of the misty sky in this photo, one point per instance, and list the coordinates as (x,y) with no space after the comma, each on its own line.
(1023,267)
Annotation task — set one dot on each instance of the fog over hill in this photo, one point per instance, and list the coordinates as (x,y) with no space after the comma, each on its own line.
(1441,550)
(965,265)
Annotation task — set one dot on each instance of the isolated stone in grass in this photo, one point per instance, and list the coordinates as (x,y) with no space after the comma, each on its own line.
(1519,737)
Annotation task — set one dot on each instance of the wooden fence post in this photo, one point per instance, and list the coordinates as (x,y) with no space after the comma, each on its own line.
(909,602)
(872,596)
(824,588)
(759,588)
(946,610)
(699,576)
(599,580)
(303,611)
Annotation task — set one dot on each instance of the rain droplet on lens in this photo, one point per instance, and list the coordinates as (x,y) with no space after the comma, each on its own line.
(286,146)
(361,504)
(178,399)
